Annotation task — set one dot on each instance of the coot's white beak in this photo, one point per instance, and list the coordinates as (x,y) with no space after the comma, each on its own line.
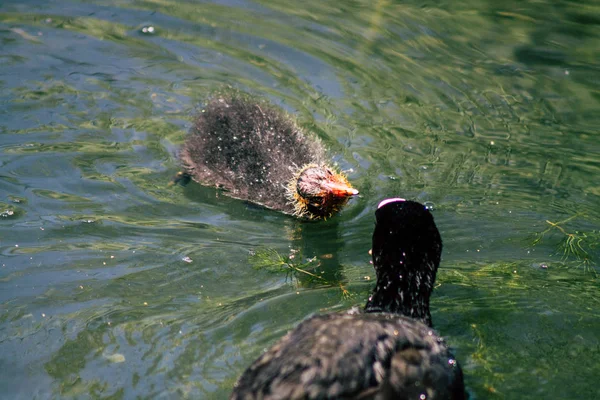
(388,201)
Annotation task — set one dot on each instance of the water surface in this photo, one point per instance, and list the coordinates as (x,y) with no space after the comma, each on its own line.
(115,285)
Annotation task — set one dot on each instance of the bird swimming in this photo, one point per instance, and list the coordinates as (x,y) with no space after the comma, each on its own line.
(389,351)
(256,152)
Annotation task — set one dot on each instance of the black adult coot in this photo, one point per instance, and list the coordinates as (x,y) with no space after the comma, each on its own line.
(257,153)
(388,352)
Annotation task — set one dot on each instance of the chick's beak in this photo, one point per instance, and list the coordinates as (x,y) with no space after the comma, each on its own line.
(340,189)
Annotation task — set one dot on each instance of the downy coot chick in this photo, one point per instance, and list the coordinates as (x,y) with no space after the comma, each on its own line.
(257,153)
(387,352)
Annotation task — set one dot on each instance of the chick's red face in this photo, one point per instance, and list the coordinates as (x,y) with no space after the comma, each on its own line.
(319,192)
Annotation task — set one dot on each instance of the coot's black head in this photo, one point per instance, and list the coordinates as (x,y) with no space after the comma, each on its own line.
(406,254)
(318,191)
(405,236)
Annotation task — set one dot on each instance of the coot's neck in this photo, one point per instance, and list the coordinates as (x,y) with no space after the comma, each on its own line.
(400,290)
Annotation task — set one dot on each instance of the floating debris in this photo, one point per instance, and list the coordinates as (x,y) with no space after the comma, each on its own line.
(430,205)
(25,35)
(187,259)
(7,213)
(148,29)
(115,358)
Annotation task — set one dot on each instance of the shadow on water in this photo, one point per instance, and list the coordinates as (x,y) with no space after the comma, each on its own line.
(315,245)
(322,242)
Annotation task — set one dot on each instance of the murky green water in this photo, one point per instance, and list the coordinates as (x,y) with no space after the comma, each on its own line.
(489,111)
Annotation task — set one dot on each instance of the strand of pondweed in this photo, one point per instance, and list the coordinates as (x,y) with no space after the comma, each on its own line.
(573,243)
(270,260)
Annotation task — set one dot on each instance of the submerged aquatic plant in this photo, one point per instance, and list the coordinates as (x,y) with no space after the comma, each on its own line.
(270,260)
(483,357)
(576,244)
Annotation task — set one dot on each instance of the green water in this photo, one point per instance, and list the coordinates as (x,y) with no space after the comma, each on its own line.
(488,111)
